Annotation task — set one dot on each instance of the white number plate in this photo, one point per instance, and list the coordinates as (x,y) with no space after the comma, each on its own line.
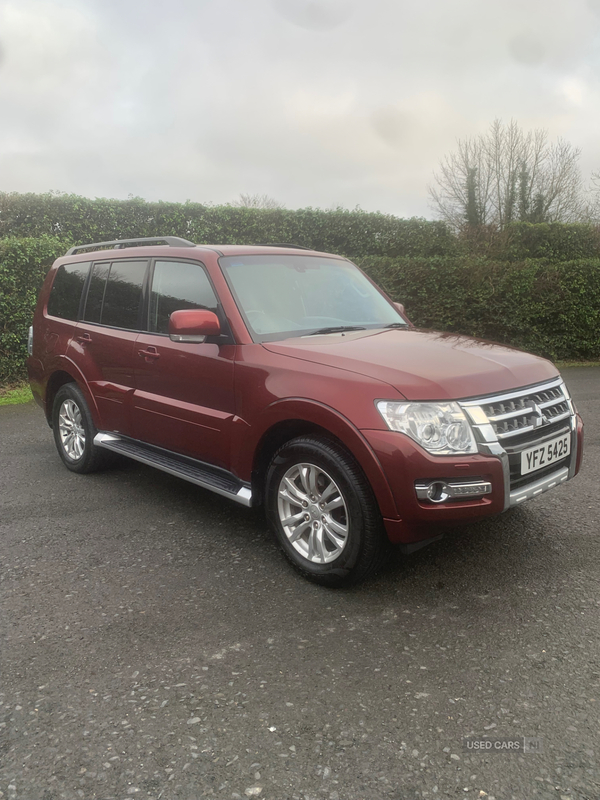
(537,457)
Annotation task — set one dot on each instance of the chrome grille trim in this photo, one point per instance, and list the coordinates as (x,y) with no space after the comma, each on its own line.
(498,398)
(520,412)
(526,429)
(511,414)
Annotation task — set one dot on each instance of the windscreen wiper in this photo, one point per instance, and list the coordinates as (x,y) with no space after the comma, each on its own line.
(337,329)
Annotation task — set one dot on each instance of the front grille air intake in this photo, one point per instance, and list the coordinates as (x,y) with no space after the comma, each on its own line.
(512,416)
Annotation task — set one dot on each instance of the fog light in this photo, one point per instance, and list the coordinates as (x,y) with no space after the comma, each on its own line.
(438,492)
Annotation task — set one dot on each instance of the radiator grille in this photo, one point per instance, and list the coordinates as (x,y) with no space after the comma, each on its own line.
(532,413)
(522,419)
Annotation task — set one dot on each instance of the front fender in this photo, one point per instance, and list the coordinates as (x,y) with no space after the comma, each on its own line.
(248,441)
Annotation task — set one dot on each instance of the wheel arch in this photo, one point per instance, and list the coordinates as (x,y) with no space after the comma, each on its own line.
(318,420)
(276,436)
(61,376)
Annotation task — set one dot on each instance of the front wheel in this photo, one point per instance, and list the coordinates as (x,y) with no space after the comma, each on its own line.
(74,431)
(323,512)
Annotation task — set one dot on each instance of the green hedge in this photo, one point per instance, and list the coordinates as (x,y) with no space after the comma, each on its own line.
(552,309)
(549,308)
(23,266)
(355,234)
(351,233)
(557,241)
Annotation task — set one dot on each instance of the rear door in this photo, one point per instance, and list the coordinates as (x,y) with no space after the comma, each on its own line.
(103,344)
(184,397)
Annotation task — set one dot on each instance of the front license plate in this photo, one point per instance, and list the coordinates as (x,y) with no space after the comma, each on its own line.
(538,457)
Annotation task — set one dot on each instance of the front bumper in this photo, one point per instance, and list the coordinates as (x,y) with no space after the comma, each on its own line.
(410,469)
(406,465)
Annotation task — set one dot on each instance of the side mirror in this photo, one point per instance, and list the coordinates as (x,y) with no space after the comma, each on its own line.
(193,325)
(400,308)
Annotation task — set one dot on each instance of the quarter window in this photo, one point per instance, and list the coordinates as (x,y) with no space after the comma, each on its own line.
(65,294)
(178,285)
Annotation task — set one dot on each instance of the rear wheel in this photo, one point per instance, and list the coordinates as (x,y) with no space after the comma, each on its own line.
(74,431)
(323,512)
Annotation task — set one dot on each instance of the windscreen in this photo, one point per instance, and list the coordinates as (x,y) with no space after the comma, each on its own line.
(281,296)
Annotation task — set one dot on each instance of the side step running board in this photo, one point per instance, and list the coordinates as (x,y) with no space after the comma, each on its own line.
(204,475)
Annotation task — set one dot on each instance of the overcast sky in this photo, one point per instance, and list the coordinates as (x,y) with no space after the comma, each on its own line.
(312,102)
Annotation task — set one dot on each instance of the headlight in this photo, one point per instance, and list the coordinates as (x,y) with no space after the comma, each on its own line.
(441,428)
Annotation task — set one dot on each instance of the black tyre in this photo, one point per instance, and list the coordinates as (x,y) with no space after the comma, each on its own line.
(74,431)
(323,512)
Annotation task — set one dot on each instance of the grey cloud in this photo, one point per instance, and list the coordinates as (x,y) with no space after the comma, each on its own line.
(392,125)
(351,103)
(527,48)
(315,15)
(594,6)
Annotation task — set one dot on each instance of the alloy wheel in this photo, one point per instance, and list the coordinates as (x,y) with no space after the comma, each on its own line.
(71,430)
(313,513)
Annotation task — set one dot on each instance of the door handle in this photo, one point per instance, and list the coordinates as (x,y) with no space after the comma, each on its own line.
(82,338)
(149,354)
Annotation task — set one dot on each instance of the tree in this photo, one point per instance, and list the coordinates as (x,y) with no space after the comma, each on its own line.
(508,174)
(257,201)
(472,211)
(592,209)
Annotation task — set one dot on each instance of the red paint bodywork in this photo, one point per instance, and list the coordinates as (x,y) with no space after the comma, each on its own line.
(220,402)
(194,322)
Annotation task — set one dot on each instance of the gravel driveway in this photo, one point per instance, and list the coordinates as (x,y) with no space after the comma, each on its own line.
(155,644)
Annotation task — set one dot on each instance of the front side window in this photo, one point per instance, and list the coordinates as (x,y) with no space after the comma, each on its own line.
(115,294)
(178,285)
(281,296)
(66,290)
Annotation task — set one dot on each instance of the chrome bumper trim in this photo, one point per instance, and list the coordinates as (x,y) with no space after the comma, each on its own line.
(454,489)
(518,496)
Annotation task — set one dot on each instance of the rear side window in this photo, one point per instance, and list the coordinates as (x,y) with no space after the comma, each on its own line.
(178,285)
(65,294)
(123,295)
(115,294)
(95,295)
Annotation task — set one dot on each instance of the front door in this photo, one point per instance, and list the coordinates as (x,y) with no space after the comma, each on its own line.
(184,397)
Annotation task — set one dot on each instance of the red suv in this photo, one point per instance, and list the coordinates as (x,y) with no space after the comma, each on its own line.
(281,376)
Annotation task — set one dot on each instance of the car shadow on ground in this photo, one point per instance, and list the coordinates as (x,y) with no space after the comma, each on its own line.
(521,547)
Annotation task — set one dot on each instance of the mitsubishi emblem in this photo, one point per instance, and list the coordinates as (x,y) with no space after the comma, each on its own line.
(539,418)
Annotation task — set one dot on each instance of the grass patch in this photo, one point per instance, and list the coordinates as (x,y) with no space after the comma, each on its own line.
(13,395)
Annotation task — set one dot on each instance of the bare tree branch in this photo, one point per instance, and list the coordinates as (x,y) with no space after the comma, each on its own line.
(257,201)
(513,174)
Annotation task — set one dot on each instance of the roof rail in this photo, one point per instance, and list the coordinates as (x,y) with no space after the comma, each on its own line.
(171,241)
(283,244)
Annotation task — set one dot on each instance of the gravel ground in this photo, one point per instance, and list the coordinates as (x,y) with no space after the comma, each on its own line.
(155,644)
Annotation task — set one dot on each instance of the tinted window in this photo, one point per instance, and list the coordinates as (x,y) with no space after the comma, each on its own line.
(123,294)
(177,285)
(66,290)
(115,294)
(95,295)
